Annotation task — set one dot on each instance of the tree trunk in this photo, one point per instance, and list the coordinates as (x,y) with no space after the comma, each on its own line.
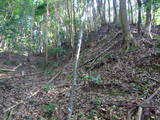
(128,39)
(128,10)
(139,15)
(74,18)
(104,11)
(148,24)
(115,11)
(131,8)
(100,10)
(109,11)
(94,13)
(32,24)
(70,24)
(74,80)
(46,32)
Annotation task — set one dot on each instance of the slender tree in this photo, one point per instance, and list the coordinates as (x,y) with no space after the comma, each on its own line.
(109,11)
(148,24)
(139,15)
(115,11)
(131,9)
(104,11)
(74,80)
(46,30)
(70,23)
(100,10)
(94,14)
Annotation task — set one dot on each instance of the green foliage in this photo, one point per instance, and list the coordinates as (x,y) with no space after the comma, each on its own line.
(81,115)
(47,87)
(48,110)
(138,88)
(54,51)
(2,87)
(117,93)
(109,55)
(1,50)
(41,9)
(48,107)
(96,79)
(70,76)
(18,16)
(91,114)
(96,101)
(157,16)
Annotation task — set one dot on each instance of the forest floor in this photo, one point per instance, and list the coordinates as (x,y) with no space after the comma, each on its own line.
(112,84)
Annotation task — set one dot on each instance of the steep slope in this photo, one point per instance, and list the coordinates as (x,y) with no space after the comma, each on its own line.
(111,82)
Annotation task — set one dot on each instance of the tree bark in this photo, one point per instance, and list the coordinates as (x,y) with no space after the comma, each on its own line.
(127,36)
(115,11)
(148,24)
(131,8)
(109,11)
(74,80)
(139,15)
(94,13)
(104,11)
(100,11)
(46,32)
(70,24)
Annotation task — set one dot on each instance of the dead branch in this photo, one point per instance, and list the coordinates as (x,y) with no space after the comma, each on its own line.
(156,80)
(139,113)
(11,70)
(114,37)
(141,106)
(53,78)
(152,96)
(21,102)
(3,80)
(15,68)
(35,93)
(94,59)
(99,55)
(6,70)
(130,113)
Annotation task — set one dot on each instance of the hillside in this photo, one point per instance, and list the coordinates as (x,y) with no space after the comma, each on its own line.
(112,83)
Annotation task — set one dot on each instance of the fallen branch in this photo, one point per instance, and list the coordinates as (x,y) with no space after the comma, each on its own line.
(118,33)
(35,93)
(8,115)
(10,108)
(139,113)
(51,80)
(156,80)
(21,102)
(19,76)
(140,109)
(6,70)
(152,96)
(99,55)
(130,113)
(10,70)
(17,67)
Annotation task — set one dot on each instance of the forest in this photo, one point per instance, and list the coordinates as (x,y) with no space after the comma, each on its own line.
(79,59)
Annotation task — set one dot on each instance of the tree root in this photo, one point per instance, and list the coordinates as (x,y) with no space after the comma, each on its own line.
(141,106)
